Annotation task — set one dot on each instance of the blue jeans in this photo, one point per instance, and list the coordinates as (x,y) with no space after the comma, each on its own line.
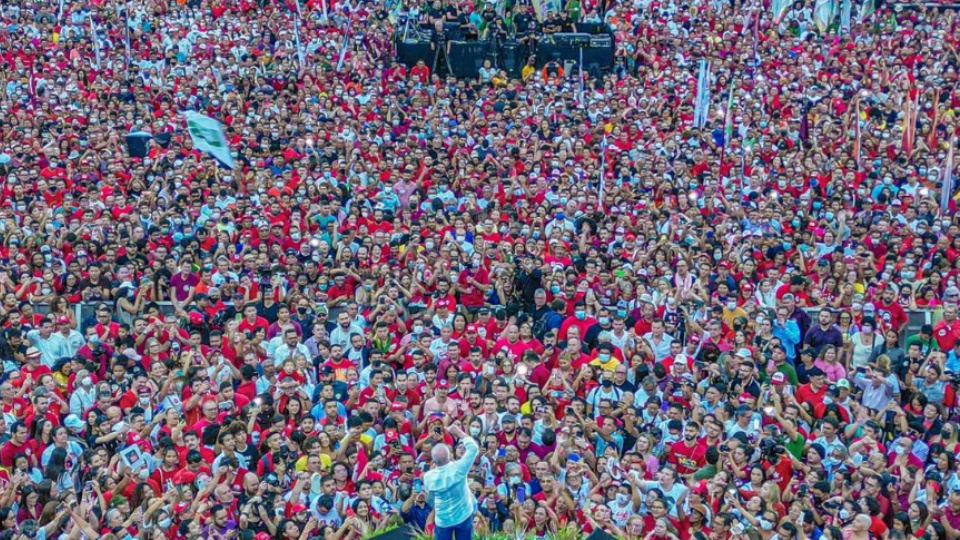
(461,531)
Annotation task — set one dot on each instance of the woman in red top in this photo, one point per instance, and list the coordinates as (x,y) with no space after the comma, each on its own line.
(662,530)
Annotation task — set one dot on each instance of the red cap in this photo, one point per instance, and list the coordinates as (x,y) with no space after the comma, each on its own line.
(777,379)
(397,406)
(390,435)
(63,320)
(745,396)
(443,303)
(297,508)
(472,329)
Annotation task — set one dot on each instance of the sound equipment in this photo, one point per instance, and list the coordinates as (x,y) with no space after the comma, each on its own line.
(512,59)
(452,31)
(408,52)
(592,28)
(465,58)
(571,39)
(601,40)
(594,58)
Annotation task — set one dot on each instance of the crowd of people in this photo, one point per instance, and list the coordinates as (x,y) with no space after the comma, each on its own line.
(656,323)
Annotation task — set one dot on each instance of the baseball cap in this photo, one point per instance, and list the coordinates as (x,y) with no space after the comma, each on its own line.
(843,383)
(778,379)
(390,435)
(63,319)
(509,417)
(745,353)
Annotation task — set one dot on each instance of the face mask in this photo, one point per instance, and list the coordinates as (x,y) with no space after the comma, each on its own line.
(580,314)
(604,320)
(827,400)
(765,525)
(731,306)
(555,289)
(908,275)
(514,480)
(844,514)
(622,498)
(86,381)
(474,432)
(607,383)
(828,216)
(164,523)
(144,473)
(428,245)
(787,246)
(604,357)
(94,339)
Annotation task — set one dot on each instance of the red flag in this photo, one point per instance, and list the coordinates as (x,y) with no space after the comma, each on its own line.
(361,462)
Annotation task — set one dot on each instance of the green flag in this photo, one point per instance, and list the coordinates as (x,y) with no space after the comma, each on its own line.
(207,135)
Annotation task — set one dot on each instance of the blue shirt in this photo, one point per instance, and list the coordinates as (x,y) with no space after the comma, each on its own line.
(789,336)
(448,489)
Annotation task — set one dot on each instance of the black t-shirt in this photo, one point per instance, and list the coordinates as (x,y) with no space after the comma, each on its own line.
(522,22)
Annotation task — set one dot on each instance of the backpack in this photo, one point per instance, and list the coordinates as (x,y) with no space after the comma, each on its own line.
(541,325)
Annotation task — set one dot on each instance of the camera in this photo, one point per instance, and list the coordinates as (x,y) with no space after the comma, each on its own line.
(770,450)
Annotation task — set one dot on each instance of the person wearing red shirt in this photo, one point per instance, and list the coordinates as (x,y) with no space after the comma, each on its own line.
(947,329)
(470,340)
(251,321)
(812,392)
(420,73)
(472,284)
(17,444)
(580,319)
(690,454)
(889,310)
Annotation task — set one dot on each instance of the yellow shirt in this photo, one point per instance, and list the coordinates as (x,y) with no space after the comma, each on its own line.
(609,365)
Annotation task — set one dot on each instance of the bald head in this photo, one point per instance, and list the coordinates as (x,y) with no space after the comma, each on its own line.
(440,454)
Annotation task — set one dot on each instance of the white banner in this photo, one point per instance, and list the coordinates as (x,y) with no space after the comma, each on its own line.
(824,13)
(207,135)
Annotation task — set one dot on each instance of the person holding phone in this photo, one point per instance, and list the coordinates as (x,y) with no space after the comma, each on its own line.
(447,488)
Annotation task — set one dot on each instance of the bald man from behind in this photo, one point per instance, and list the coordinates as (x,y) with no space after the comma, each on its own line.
(446,485)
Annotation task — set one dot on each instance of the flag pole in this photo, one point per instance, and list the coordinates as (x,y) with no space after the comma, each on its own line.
(946,191)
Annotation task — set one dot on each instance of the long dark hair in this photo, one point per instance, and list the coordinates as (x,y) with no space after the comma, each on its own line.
(57,465)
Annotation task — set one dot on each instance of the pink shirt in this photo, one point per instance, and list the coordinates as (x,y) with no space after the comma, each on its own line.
(834,371)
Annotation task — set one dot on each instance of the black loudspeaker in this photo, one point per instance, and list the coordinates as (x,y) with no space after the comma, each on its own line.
(512,59)
(404,532)
(597,57)
(592,28)
(465,58)
(408,52)
(600,535)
